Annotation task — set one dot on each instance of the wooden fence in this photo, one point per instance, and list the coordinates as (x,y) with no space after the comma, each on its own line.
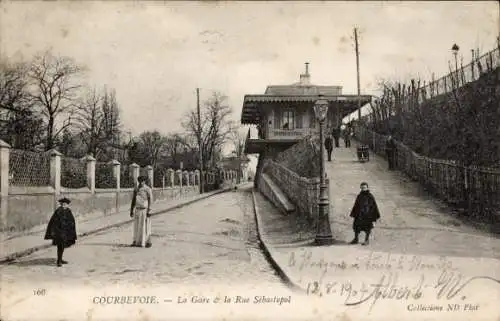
(473,188)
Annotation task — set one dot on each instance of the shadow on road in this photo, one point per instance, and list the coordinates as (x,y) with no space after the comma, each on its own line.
(34,262)
(106,244)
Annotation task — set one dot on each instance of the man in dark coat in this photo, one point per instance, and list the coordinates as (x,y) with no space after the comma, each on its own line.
(347,137)
(365,212)
(329,147)
(336,136)
(61,229)
(390,150)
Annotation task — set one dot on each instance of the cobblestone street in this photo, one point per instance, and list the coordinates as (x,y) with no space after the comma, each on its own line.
(209,243)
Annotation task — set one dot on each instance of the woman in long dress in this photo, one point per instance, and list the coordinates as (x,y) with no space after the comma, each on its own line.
(140,210)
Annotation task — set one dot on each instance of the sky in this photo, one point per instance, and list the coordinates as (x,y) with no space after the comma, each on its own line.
(155,54)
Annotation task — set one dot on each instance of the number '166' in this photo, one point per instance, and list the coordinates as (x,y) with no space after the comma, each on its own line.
(39,292)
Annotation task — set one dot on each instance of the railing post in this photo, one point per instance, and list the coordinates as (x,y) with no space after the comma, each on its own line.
(197,177)
(171,176)
(90,173)
(55,171)
(150,174)
(4,181)
(55,174)
(116,170)
(192,178)
(134,172)
(149,171)
(179,175)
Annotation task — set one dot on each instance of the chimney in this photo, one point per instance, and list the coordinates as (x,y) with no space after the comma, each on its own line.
(305,78)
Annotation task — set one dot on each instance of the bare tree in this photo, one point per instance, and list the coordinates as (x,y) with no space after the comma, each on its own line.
(152,143)
(216,128)
(89,120)
(174,146)
(111,117)
(54,82)
(20,125)
(238,138)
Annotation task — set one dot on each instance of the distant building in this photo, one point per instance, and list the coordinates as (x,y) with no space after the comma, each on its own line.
(235,163)
(283,115)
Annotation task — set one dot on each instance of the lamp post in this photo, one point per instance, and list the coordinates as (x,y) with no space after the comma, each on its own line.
(455,48)
(323,229)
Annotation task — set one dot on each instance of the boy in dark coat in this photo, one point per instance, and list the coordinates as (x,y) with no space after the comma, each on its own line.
(61,229)
(364,212)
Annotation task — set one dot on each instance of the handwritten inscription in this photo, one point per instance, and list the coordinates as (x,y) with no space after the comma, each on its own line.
(447,287)
(373,262)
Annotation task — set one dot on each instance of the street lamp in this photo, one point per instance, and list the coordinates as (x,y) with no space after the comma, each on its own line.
(323,229)
(455,50)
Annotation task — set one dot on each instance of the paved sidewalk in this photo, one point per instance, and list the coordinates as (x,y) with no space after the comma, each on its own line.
(416,242)
(22,245)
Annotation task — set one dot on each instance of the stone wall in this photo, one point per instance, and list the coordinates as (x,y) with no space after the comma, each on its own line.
(302,158)
(303,192)
(29,208)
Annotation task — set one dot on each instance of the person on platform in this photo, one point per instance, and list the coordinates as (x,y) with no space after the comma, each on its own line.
(329,147)
(62,229)
(365,213)
(390,150)
(336,136)
(347,137)
(140,210)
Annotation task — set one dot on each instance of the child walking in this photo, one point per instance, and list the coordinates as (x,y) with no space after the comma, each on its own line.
(365,212)
(61,229)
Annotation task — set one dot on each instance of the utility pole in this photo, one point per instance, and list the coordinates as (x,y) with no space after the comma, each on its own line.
(200,149)
(357,72)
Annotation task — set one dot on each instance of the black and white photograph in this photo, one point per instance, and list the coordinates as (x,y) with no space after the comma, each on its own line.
(249,160)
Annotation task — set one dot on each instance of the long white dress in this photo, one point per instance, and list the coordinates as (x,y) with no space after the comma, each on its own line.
(142,224)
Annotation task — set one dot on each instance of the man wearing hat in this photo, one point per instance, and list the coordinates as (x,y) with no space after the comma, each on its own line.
(140,210)
(61,229)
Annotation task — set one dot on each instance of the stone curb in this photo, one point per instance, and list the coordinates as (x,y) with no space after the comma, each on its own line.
(12,257)
(294,287)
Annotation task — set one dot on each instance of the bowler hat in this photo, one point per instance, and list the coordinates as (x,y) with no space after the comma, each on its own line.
(64,200)
(142,178)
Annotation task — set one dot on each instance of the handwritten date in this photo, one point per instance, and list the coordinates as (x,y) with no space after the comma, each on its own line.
(448,286)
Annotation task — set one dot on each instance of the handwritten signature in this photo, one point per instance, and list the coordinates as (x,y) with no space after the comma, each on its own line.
(447,286)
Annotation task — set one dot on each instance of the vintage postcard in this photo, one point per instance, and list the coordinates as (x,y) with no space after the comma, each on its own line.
(249,160)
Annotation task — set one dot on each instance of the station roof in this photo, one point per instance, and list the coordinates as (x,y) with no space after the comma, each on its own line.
(301,92)
(253,104)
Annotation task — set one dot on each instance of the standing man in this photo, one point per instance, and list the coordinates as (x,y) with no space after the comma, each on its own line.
(329,147)
(141,211)
(347,137)
(336,136)
(390,150)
